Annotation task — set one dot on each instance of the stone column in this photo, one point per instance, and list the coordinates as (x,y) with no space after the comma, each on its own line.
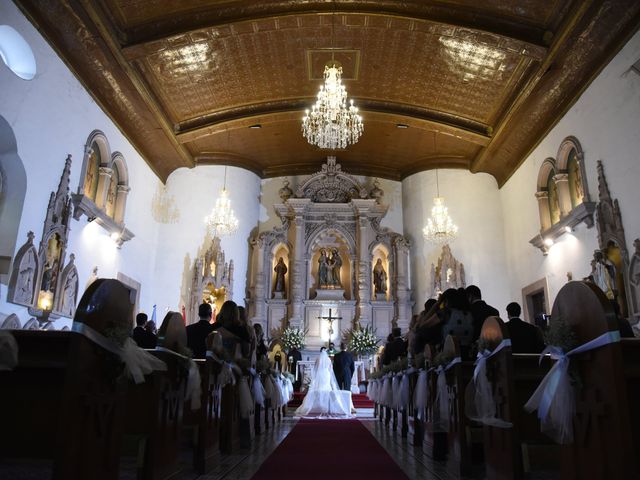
(363,307)
(298,208)
(103,186)
(564,196)
(403,294)
(543,209)
(121,202)
(259,296)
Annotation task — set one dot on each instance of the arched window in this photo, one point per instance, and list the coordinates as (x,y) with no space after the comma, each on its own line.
(119,187)
(547,195)
(16,53)
(92,174)
(571,162)
(112,193)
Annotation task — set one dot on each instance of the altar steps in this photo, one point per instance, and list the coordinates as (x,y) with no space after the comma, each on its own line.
(360,400)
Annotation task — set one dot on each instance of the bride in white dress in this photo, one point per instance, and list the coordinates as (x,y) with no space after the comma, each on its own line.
(324,398)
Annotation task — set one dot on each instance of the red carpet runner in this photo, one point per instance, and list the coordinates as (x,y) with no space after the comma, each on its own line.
(360,400)
(329,449)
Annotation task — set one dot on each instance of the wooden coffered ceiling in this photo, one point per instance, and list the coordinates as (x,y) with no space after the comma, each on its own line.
(477,84)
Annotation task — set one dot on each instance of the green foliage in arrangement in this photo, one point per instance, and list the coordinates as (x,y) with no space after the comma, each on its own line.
(293,337)
(361,341)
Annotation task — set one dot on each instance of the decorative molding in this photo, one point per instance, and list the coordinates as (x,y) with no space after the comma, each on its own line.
(331,185)
(83,205)
(581,213)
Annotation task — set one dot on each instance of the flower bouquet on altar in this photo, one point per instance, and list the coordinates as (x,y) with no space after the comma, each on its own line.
(361,341)
(293,337)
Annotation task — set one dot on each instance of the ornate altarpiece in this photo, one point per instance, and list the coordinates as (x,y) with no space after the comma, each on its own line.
(447,273)
(40,280)
(211,280)
(330,210)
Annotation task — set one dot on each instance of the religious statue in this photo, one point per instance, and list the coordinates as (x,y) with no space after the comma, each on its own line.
(577,182)
(336,264)
(603,273)
(323,269)
(379,278)
(285,192)
(281,270)
(49,277)
(69,293)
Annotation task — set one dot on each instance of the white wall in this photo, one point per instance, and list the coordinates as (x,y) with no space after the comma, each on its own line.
(606,121)
(52,116)
(195,192)
(474,205)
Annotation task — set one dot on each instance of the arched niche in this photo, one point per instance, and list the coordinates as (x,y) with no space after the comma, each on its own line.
(547,195)
(13,188)
(329,240)
(571,161)
(381,252)
(278,251)
(104,187)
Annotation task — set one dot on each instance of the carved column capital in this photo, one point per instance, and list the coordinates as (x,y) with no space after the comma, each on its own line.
(105,171)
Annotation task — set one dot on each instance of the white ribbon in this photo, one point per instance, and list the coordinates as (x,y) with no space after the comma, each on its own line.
(404,391)
(8,351)
(137,361)
(257,389)
(194,381)
(420,394)
(395,387)
(482,402)
(246,400)
(441,414)
(555,397)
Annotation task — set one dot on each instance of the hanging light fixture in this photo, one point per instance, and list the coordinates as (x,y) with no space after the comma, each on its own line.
(440,229)
(331,124)
(222,221)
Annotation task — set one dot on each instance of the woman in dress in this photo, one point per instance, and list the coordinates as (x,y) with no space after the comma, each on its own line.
(324,398)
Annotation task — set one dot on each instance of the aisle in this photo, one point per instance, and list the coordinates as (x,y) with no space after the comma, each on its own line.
(329,449)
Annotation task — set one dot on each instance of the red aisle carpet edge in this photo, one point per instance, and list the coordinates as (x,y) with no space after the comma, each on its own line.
(334,449)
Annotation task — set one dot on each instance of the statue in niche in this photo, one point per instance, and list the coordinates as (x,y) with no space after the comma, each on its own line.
(554,205)
(379,278)
(281,270)
(634,278)
(335,264)
(26,277)
(323,269)
(603,273)
(50,277)
(576,188)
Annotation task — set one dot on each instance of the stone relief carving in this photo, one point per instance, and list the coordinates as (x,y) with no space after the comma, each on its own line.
(32,324)
(448,273)
(12,322)
(69,289)
(331,185)
(376,192)
(23,281)
(285,192)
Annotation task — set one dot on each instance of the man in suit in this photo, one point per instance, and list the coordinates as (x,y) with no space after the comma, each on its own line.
(395,348)
(143,337)
(525,337)
(479,309)
(343,367)
(198,332)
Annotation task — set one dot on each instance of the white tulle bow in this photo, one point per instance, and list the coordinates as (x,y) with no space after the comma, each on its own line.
(555,397)
(137,362)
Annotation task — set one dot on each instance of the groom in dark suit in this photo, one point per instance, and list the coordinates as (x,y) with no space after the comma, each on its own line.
(343,367)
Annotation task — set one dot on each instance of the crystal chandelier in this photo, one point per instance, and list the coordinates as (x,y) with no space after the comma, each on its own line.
(331,124)
(440,228)
(222,220)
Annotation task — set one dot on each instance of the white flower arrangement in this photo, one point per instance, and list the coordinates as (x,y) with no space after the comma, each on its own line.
(362,341)
(293,337)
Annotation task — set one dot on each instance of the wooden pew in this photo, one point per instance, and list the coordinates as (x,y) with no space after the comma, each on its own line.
(513,380)
(415,431)
(459,444)
(64,401)
(205,420)
(155,407)
(607,421)
(229,419)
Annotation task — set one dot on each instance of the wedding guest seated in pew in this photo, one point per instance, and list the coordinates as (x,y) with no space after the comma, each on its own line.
(423,334)
(198,332)
(141,335)
(525,337)
(261,348)
(396,348)
(479,309)
(235,337)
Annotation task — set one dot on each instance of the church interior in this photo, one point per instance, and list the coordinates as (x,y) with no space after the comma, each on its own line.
(201,200)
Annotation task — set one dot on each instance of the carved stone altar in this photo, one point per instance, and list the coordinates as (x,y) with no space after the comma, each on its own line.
(448,273)
(332,211)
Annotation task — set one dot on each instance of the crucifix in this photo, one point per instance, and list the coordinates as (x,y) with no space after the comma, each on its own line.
(330,319)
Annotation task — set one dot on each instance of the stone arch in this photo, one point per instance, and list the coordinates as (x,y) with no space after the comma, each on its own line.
(345,245)
(97,157)
(381,250)
(119,183)
(12,322)
(279,248)
(571,162)
(547,168)
(13,188)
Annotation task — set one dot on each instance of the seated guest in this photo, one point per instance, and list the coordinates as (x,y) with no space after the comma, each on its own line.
(395,349)
(425,333)
(623,325)
(142,336)
(235,337)
(244,321)
(457,320)
(198,332)
(525,337)
(479,309)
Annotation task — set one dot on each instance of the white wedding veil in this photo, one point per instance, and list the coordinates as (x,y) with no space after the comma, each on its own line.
(323,377)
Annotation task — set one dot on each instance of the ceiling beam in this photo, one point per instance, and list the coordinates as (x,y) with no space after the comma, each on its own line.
(211,124)
(146,39)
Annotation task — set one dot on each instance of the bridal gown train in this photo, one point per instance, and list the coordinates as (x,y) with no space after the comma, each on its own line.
(324,398)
